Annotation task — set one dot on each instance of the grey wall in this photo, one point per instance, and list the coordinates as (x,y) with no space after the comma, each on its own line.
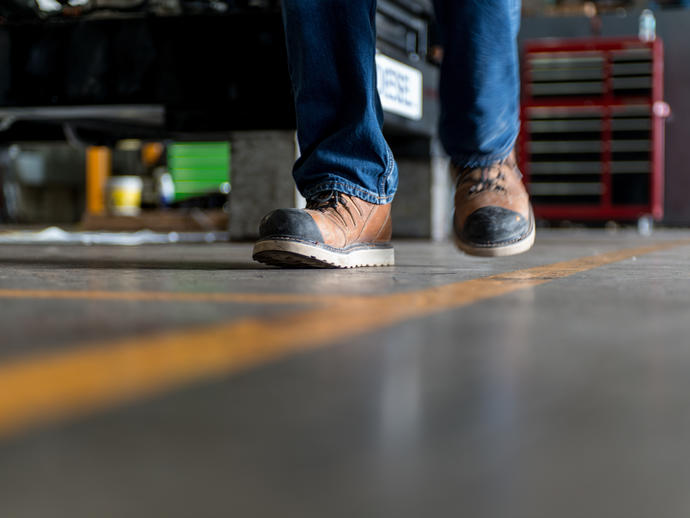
(673,26)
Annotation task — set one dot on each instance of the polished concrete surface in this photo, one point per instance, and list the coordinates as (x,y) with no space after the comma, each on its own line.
(444,386)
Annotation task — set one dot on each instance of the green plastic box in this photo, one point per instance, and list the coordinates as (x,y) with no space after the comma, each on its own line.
(199,168)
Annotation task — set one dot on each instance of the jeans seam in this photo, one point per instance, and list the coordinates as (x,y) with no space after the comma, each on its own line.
(390,165)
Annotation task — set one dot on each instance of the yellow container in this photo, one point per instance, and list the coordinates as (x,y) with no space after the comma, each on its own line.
(124,195)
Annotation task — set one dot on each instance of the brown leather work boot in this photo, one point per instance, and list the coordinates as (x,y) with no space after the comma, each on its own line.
(493,215)
(335,230)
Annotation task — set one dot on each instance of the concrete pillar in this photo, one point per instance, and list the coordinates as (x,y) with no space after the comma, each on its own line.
(261,178)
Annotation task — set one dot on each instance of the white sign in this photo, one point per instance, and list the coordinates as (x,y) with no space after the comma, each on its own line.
(400,87)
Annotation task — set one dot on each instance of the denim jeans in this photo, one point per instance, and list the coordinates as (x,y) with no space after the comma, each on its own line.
(331,53)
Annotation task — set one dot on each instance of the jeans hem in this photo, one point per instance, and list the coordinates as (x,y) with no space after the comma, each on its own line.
(349,188)
(483,159)
(479,160)
(340,184)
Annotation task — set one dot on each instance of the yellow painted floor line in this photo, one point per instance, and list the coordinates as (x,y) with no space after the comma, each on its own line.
(169,296)
(66,384)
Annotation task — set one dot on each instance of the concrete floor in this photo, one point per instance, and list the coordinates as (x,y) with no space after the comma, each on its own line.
(187,381)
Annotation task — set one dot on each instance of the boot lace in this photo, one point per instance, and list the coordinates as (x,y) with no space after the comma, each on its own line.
(331,202)
(327,200)
(491,178)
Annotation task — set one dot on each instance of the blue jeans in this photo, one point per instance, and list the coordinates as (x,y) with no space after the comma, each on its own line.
(331,53)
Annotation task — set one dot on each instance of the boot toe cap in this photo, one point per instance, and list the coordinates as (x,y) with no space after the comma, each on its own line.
(290,223)
(489,226)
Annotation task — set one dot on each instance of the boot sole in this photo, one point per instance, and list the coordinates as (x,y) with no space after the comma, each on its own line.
(514,248)
(296,254)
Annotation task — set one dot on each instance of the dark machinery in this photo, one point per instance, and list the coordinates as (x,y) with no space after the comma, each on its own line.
(112,69)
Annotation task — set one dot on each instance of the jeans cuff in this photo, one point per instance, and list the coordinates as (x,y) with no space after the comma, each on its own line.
(479,159)
(349,188)
(387,185)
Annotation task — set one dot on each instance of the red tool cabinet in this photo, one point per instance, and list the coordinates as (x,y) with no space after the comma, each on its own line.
(591,142)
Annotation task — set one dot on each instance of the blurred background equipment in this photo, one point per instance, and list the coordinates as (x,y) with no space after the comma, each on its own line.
(42,182)
(621,21)
(102,72)
(592,145)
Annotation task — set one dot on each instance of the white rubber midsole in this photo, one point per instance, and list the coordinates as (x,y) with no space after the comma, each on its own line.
(345,259)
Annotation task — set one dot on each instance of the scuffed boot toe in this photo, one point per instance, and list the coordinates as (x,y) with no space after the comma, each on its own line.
(290,223)
(491,226)
(495,231)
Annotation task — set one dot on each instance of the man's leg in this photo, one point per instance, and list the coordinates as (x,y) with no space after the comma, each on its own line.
(480,122)
(346,170)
